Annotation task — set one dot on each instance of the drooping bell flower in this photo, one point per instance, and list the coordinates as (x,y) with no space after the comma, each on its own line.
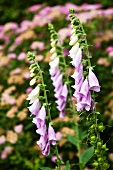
(51,135)
(77,59)
(42,141)
(35,107)
(93,81)
(46,150)
(33,95)
(41,130)
(74,50)
(84,88)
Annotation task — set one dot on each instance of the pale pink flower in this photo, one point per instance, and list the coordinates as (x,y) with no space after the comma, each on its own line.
(22,56)
(37,45)
(18,40)
(29,89)
(34,8)
(18,128)
(2,139)
(11,55)
(58,136)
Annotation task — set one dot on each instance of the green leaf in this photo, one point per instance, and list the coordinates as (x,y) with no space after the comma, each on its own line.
(67,167)
(45,168)
(83,135)
(72,140)
(86,155)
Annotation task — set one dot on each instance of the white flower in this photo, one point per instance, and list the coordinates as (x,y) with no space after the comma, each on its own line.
(73,40)
(53,50)
(32,82)
(54,63)
(33,95)
(54,55)
(74,50)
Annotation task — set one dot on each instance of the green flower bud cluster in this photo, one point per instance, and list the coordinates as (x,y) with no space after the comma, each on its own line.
(34,69)
(99,147)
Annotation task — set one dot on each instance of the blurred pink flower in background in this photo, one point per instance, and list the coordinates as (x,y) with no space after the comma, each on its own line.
(110,48)
(26,24)
(8,99)
(29,89)
(7,150)
(58,136)
(3,155)
(18,128)
(10,26)
(91,7)
(63,33)
(37,44)
(16,71)
(26,75)
(2,139)
(45,11)
(67,6)
(97,45)
(22,56)
(18,40)
(1,35)
(11,55)
(39,57)
(7,38)
(110,54)
(1,27)
(1,47)
(34,8)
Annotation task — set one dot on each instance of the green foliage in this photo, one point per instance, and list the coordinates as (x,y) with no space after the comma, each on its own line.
(86,155)
(67,167)
(72,140)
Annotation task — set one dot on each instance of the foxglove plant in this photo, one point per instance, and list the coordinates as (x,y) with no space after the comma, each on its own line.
(60,89)
(40,108)
(86,84)
(58,72)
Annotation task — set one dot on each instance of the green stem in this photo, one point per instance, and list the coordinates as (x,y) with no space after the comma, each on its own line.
(87,49)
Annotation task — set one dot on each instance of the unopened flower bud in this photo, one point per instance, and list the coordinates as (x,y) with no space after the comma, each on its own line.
(93,138)
(53,50)
(97,151)
(73,31)
(95,164)
(32,74)
(101,128)
(104,146)
(53,43)
(32,82)
(100,159)
(74,40)
(99,144)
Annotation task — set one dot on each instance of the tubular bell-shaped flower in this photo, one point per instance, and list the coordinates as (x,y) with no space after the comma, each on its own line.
(35,107)
(93,81)
(33,95)
(51,135)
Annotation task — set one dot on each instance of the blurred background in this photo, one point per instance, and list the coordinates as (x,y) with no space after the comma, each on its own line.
(23,28)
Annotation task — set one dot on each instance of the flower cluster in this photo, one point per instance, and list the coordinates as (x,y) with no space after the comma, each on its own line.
(60,89)
(46,138)
(83,85)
